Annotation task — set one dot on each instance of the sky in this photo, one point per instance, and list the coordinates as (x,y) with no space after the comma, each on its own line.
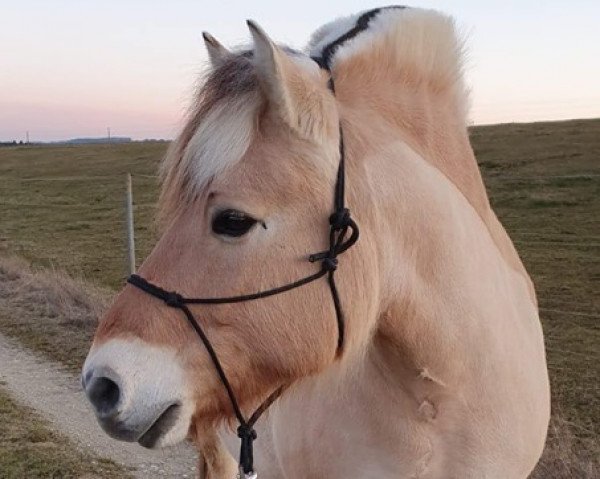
(73,68)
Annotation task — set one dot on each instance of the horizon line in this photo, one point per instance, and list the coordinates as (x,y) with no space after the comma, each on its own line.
(131,139)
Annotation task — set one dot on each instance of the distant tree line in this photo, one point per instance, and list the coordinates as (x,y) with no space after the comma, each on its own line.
(12,143)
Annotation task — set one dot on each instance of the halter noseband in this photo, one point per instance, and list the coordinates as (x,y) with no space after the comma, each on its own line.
(340,223)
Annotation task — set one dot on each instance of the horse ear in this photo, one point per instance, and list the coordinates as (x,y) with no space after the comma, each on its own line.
(216,52)
(289,87)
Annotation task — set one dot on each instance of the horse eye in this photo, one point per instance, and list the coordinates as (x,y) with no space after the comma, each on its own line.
(232,223)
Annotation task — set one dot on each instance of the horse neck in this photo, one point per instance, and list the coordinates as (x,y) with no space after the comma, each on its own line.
(432,124)
(416,223)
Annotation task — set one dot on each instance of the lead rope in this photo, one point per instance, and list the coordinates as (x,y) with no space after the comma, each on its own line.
(340,222)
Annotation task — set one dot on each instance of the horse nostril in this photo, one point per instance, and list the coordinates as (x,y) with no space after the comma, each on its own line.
(104,394)
(85,378)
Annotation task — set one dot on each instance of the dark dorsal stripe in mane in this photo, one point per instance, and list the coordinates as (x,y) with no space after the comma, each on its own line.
(324,61)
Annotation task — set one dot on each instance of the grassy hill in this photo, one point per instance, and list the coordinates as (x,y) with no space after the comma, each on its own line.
(62,207)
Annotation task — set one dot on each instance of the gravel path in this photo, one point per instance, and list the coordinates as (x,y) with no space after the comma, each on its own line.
(57,396)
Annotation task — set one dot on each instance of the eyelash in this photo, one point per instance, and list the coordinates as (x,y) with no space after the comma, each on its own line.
(233,223)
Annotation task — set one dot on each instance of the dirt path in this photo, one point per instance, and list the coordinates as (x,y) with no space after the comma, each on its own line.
(57,396)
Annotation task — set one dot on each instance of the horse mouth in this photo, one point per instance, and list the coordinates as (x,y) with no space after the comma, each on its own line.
(160,427)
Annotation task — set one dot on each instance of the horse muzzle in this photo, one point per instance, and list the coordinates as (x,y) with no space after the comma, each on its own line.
(136,395)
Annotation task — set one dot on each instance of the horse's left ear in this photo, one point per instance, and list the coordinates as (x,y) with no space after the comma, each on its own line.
(216,52)
(295,92)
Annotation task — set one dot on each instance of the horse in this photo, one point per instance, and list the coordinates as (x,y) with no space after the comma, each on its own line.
(441,370)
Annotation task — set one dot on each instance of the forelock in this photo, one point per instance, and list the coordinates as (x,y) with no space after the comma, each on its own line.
(220,128)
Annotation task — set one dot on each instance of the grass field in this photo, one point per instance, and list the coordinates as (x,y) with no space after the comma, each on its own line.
(62,207)
(76,224)
(29,449)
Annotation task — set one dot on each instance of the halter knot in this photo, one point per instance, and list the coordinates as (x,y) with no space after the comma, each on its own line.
(173,299)
(245,431)
(340,219)
(247,434)
(330,264)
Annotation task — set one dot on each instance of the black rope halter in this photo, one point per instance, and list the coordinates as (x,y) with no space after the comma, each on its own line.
(340,224)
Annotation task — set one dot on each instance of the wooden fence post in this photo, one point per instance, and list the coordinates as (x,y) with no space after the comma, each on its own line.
(129,226)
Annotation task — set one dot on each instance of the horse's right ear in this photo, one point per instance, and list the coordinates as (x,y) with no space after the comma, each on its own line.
(216,52)
(291,90)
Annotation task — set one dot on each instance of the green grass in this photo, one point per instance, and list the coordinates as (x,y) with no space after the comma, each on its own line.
(29,449)
(77,225)
(544,183)
(543,180)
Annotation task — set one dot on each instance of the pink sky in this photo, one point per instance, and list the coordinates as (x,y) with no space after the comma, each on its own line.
(72,68)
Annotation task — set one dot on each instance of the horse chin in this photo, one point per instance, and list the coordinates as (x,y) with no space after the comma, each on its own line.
(170,428)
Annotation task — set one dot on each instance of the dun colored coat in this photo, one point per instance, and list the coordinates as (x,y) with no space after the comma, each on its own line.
(443,372)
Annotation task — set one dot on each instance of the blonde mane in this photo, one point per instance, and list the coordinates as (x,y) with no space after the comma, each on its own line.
(407,68)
